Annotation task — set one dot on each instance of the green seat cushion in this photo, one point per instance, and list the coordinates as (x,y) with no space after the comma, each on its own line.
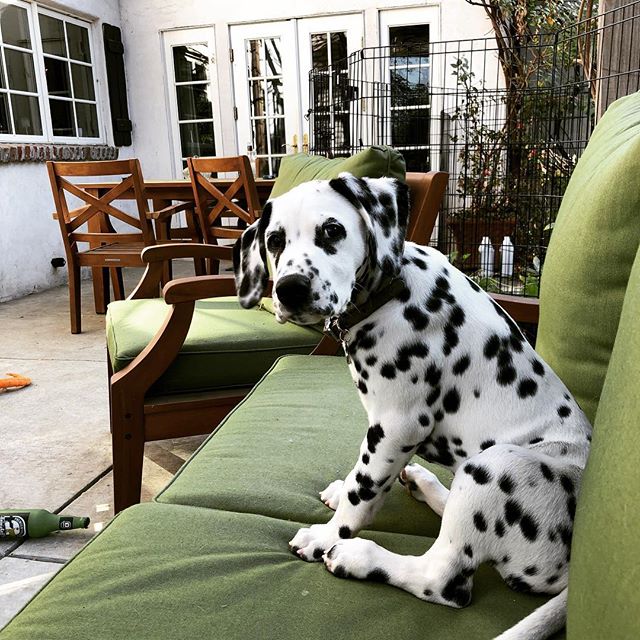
(604,599)
(373,162)
(226,346)
(161,571)
(592,248)
(297,431)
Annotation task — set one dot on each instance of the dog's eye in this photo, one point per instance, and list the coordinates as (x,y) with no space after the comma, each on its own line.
(333,230)
(275,242)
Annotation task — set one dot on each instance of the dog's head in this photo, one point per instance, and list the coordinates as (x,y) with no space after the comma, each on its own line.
(329,243)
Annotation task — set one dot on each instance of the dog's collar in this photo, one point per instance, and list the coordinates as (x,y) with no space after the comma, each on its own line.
(338,326)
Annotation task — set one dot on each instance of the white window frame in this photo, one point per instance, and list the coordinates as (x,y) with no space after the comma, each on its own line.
(33,11)
(186,37)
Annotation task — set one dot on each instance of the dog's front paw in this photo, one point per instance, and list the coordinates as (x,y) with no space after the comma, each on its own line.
(310,543)
(331,495)
(355,558)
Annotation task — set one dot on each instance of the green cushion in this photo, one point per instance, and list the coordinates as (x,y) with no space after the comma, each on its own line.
(226,346)
(604,599)
(161,571)
(296,432)
(374,162)
(593,245)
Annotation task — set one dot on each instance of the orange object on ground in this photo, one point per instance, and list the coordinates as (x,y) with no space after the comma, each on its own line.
(14,380)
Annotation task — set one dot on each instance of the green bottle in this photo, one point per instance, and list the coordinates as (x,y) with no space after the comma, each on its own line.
(36,523)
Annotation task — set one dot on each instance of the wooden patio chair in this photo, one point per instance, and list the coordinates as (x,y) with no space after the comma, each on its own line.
(240,199)
(143,406)
(108,250)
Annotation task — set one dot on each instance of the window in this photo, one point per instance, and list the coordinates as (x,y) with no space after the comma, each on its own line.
(47,78)
(193,95)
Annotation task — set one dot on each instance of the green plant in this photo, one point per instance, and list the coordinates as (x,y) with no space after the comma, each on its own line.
(531,279)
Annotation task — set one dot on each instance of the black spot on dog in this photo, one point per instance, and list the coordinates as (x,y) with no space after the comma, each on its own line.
(506,484)
(565,535)
(421,264)
(451,339)
(378,575)
(528,527)
(506,376)
(344,531)
(491,347)
(476,393)
(318,553)
(564,411)
(473,285)
(362,387)
(538,367)
(479,473)
(571,507)
(518,584)
(375,433)
(567,483)
(364,479)
(434,304)
(408,351)
(433,375)
(486,444)
(340,572)
(451,400)
(409,447)
(527,387)
(552,579)
(404,295)
(438,416)
(353,498)
(427,592)
(456,590)
(366,494)
(424,419)
(461,365)
(388,371)
(371,360)
(365,458)
(468,551)
(479,522)
(546,472)
(456,441)
(457,317)
(418,319)
(512,512)
(460,452)
(433,396)
(536,440)
(531,570)
(499,528)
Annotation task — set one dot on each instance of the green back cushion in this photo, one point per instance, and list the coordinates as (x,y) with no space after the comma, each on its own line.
(374,162)
(592,247)
(162,571)
(604,599)
(297,431)
(226,346)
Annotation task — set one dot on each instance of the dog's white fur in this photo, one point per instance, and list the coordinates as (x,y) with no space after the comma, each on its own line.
(444,373)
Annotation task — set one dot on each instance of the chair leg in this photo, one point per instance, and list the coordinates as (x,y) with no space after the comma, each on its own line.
(117,282)
(100,278)
(75,308)
(127,435)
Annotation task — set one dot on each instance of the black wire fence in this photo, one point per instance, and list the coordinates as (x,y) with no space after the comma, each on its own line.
(508,131)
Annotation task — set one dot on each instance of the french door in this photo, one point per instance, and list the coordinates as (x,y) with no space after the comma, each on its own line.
(271,64)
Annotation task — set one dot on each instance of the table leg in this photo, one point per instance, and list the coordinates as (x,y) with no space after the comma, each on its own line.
(163,235)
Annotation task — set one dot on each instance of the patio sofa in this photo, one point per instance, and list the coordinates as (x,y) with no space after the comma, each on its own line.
(209,559)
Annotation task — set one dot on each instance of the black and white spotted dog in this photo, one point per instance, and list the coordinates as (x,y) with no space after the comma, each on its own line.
(442,372)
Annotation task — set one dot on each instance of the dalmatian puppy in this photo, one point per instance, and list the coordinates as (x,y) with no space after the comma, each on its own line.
(443,372)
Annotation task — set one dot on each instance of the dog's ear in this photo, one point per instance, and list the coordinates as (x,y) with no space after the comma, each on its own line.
(250,261)
(383,204)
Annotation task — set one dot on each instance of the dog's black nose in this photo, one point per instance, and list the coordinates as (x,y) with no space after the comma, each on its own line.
(294,291)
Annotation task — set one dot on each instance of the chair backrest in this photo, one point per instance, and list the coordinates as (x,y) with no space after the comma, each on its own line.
(426,193)
(212,202)
(97,210)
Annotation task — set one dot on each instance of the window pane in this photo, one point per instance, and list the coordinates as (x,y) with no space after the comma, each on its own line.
(5,126)
(409,39)
(52,35)
(78,38)
(15,25)
(197,139)
(22,76)
(193,102)
(87,120)
(3,83)
(191,63)
(276,133)
(276,99)
(57,72)
(82,82)
(256,93)
(260,136)
(319,50)
(62,117)
(339,50)
(26,115)
(273,59)
(255,52)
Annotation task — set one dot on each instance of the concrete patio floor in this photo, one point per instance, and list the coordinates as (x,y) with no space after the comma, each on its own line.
(55,445)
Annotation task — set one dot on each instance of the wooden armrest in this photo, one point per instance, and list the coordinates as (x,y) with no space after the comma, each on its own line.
(519,308)
(167,212)
(197,288)
(163,252)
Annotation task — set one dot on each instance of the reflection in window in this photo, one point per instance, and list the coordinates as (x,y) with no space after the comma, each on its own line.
(193,96)
(266,114)
(410,68)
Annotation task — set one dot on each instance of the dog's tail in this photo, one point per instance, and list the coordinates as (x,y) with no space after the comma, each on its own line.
(542,623)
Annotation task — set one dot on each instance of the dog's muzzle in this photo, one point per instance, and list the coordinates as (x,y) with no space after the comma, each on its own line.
(294,292)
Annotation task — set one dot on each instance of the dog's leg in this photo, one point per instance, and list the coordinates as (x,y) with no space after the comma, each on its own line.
(424,486)
(385,451)
(331,495)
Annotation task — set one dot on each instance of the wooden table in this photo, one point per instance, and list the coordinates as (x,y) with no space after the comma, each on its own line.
(161,193)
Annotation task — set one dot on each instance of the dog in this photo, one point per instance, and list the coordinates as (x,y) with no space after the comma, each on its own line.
(442,372)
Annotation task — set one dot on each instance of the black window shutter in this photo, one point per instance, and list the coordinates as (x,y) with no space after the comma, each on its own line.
(114,57)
